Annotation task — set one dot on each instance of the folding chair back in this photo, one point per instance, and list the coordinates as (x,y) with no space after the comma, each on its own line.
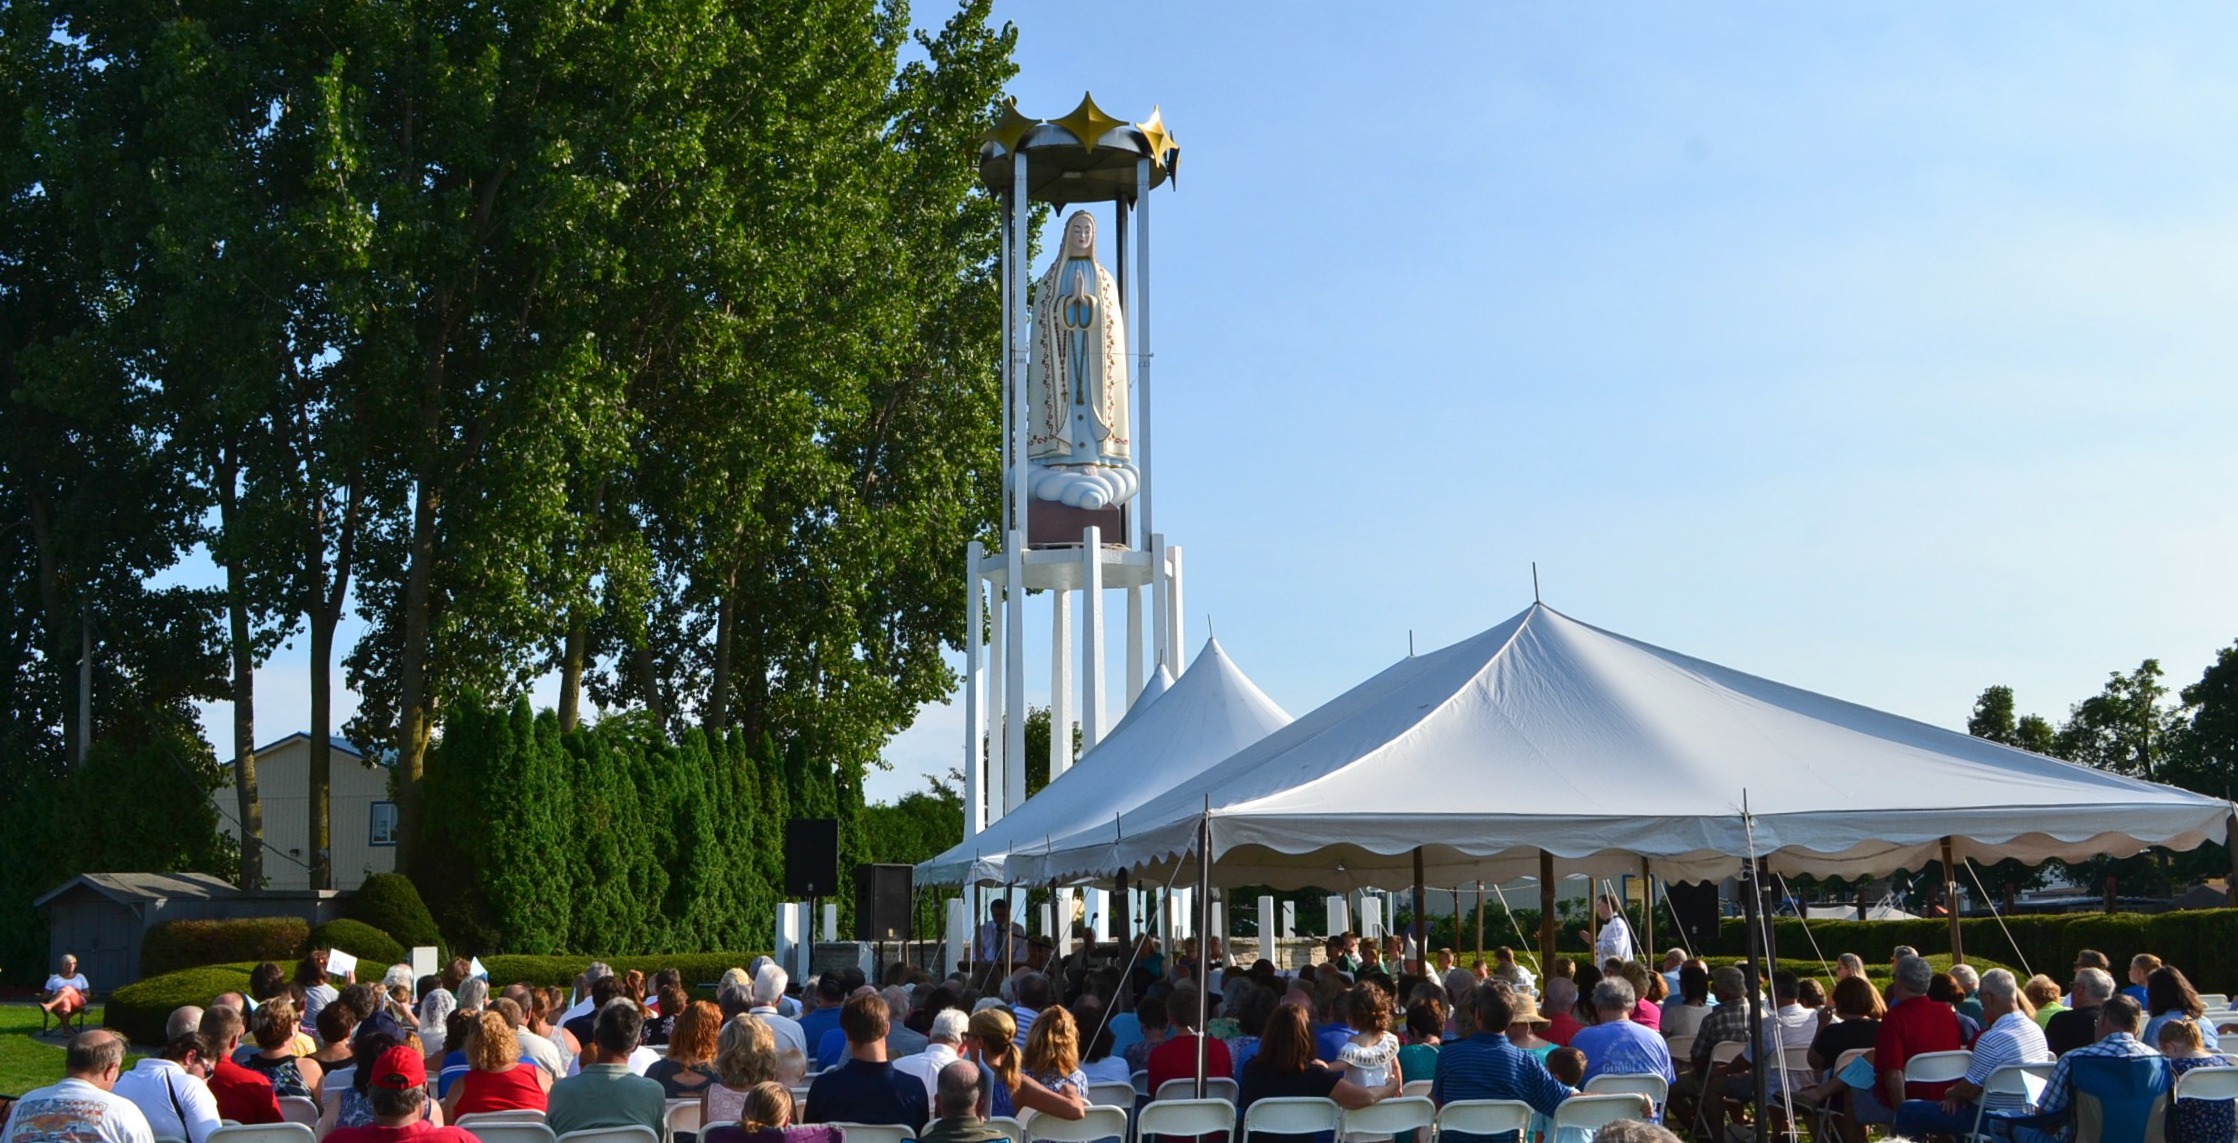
(1637,1083)
(517,1115)
(300,1109)
(2208,1083)
(2120,1100)
(2008,1080)
(631,1134)
(1390,1117)
(871,1133)
(1416,1087)
(1185,1117)
(502,1131)
(1485,1118)
(1682,1050)
(1098,1123)
(1299,1115)
(261,1133)
(1011,1129)
(1142,1084)
(1215,1087)
(1725,1051)
(1938,1067)
(682,1117)
(1590,1113)
(1111,1093)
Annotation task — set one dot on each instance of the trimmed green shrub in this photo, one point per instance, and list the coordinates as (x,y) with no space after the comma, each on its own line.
(2201,942)
(174,945)
(140,1009)
(390,903)
(376,948)
(559,971)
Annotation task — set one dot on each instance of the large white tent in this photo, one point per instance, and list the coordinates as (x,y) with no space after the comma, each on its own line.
(1212,711)
(1547,734)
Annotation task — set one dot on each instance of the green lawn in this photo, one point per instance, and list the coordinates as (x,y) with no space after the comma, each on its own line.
(27,1059)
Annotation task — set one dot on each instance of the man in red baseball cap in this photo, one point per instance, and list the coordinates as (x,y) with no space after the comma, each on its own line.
(397,1091)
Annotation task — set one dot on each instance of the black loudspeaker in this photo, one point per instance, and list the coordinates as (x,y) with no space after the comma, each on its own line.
(811,857)
(1694,903)
(882,902)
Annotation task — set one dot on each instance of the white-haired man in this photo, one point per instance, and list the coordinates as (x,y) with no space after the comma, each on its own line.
(943,1047)
(769,993)
(2011,1038)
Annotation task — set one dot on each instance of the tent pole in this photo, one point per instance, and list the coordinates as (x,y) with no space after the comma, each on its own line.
(1950,905)
(1752,907)
(1204,941)
(1647,916)
(1546,909)
(1421,931)
(2230,841)
(1480,914)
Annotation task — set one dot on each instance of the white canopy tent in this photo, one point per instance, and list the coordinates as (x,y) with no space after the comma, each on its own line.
(1209,713)
(1547,734)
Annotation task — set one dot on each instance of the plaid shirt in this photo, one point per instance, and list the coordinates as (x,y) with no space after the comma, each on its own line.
(1725,1022)
(2061,1091)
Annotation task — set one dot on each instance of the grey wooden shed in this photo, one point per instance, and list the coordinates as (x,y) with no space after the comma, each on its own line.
(102,917)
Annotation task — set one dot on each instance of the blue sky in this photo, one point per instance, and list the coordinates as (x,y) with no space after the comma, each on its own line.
(1886,351)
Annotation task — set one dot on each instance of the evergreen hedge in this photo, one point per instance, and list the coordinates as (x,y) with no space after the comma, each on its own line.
(372,946)
(175,945)
(2201,942)
(390,903)
(611,840)
(139,1010)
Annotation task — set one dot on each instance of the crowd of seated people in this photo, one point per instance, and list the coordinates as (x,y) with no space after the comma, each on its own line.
(767,1062)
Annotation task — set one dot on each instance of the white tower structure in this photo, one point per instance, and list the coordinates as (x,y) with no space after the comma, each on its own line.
(1078,473)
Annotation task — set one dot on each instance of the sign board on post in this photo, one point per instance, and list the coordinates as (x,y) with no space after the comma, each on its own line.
(1267,930)
(1371,917)
(959,936)
(1340,917)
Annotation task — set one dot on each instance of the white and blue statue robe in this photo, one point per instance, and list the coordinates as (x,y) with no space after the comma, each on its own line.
(1077,439)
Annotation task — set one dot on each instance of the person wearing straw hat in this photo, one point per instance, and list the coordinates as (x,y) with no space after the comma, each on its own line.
(1524,1025)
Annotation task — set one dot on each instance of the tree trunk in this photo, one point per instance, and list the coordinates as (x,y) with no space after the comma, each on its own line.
(726,637)
(649,678)
(62,631)
(415,722)
(571,675)
(250,808)
(322,752)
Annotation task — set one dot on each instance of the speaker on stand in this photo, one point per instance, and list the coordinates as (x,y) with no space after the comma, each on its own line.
(812,868)
(1694,906)
(882,912)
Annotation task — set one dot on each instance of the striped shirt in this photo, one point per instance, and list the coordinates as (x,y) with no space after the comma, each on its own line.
(2013,1039)
(1486,1066)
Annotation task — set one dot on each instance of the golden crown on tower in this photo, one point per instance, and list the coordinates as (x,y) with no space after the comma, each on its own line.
(1084,155)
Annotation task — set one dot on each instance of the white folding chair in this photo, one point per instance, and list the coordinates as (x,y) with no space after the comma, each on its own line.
(300,1109)
(1098,1123)
(873,1133)
(1291,1115)
(1142,1084)
(261,1133)
(1590,1113)
(1725,1052)
(630,1134)
(2008,1080)
(1682,1052)
(682,1117)
(1636,1083)
(1185,1117)
(2215,1001)
(506,1131)
(1389,1118)
(1111,1093)
(1485,1117)
(2206,1083)
(1416,1087)
(1938,1067)
(517,1115)
(1215,1087)
(1011,1129)
(2223,1021)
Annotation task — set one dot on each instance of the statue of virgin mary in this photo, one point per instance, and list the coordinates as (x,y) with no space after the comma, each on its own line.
(1078,448)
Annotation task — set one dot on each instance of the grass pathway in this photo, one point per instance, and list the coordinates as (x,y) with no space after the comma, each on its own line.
(27,1059)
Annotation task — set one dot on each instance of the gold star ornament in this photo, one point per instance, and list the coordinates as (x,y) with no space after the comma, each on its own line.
(1154,132)
(1087,122)
(1011,127)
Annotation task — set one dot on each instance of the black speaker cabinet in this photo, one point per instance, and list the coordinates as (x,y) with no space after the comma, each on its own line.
(1694,903)
(882,902)
(811,857)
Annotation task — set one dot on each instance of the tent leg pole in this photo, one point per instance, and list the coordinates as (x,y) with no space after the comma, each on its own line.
(2230,841)
(1647,916)
(1421,933)
(1480,923)
(1752,906)
(1546,908)
(1950,905)
(1204,943)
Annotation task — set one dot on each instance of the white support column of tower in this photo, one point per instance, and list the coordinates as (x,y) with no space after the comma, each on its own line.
(975,625)
(1014,545)
(1092,657)
(1060,682)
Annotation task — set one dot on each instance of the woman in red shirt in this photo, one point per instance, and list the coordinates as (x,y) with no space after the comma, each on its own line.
(497,1079)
